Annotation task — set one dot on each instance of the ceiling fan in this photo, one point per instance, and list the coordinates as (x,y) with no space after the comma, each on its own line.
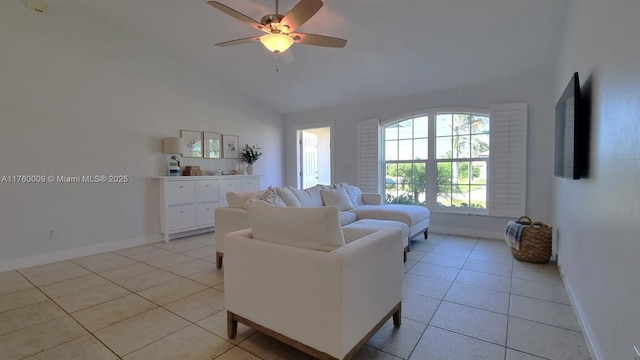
(279,28)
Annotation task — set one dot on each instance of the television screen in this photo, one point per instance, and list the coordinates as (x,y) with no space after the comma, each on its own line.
(571,142)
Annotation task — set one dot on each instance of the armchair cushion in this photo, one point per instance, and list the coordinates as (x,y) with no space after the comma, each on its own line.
(307,228)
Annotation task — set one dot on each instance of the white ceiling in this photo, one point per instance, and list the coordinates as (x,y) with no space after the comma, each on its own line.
(394,48)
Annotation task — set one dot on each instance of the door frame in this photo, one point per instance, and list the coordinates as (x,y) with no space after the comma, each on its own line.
(298,129)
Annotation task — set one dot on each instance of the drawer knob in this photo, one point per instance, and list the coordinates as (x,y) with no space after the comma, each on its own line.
(181,186)
(181,212)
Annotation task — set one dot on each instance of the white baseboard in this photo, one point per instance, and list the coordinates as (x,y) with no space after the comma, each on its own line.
(488,234)
(29,261)
(191,233)
(585,326)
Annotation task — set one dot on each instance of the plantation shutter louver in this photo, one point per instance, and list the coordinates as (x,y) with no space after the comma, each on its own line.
(508,169)
(369,155)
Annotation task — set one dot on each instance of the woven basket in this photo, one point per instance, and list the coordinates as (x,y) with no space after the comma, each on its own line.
(535,243)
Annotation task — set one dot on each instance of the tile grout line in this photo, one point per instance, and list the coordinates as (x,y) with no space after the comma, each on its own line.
(92,272)
(506,337)
(70,316)
(208,287)
(434,312)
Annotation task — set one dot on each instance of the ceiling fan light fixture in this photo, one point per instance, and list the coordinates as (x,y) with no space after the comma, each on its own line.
(276,43)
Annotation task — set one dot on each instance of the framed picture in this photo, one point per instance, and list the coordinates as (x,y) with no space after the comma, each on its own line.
(212,145)
(191,143)
(230,148)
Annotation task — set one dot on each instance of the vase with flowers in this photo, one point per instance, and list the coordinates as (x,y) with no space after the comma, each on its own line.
(249,155)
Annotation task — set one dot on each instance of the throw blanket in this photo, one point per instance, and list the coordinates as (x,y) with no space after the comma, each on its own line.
(513,234)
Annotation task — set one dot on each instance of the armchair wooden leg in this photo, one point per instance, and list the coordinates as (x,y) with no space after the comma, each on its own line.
(232,326)
(405,255)
(426,234)
(397,317)
(219,257)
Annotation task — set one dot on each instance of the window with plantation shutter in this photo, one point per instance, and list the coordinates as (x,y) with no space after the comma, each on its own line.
(508,164)
(457,160)
(369,156)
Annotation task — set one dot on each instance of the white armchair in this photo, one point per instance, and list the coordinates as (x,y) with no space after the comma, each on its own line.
(292,277)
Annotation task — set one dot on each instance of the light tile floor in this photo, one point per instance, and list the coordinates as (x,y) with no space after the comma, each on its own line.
(464,298)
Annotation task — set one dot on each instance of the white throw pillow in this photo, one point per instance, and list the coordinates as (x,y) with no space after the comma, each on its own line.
(307,228)
(272,197)
(308,197)
(287,196)
(337,198)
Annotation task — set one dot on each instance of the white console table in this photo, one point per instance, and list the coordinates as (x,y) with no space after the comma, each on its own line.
(187,202)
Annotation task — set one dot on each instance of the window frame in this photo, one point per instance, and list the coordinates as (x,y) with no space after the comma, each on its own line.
(431,162)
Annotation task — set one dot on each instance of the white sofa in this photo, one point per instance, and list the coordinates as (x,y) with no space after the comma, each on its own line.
(293,277)
(362,214)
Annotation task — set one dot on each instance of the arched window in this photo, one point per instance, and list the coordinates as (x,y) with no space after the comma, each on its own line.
(439,159)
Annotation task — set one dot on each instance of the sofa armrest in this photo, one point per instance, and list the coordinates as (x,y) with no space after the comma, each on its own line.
(228,219)
(371,199)
(285,288)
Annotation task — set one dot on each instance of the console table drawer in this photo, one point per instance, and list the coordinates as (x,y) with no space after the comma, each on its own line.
(180,217)
(207,190)
(250,184)
(179,192)
(204,214)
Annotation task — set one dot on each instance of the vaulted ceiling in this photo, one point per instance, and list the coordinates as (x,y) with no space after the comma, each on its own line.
(394,48)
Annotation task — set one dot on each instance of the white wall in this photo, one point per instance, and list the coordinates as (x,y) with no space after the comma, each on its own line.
(597,217)
(536,91)
(78,97)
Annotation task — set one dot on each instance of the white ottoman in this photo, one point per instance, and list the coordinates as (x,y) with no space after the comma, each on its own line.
(416,217)
(364,227)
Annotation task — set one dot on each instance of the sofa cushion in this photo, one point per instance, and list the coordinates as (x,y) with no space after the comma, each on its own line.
(238,199)
(308,228)
(408,214)
(364,227)
(287,196)
(310,197)
(336,197)
(272,197)
(347,217)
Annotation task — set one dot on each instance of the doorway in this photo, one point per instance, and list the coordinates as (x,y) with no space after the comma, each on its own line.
(314,166)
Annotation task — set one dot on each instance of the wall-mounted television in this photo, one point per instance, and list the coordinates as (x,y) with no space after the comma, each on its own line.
(572,133)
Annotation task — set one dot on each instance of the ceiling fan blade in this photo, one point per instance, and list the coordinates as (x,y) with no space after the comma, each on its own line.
(238,15)
(300,13)
(318,40)
(239,41)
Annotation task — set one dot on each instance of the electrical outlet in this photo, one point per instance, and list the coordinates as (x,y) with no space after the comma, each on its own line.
(52,233)
(636,353)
